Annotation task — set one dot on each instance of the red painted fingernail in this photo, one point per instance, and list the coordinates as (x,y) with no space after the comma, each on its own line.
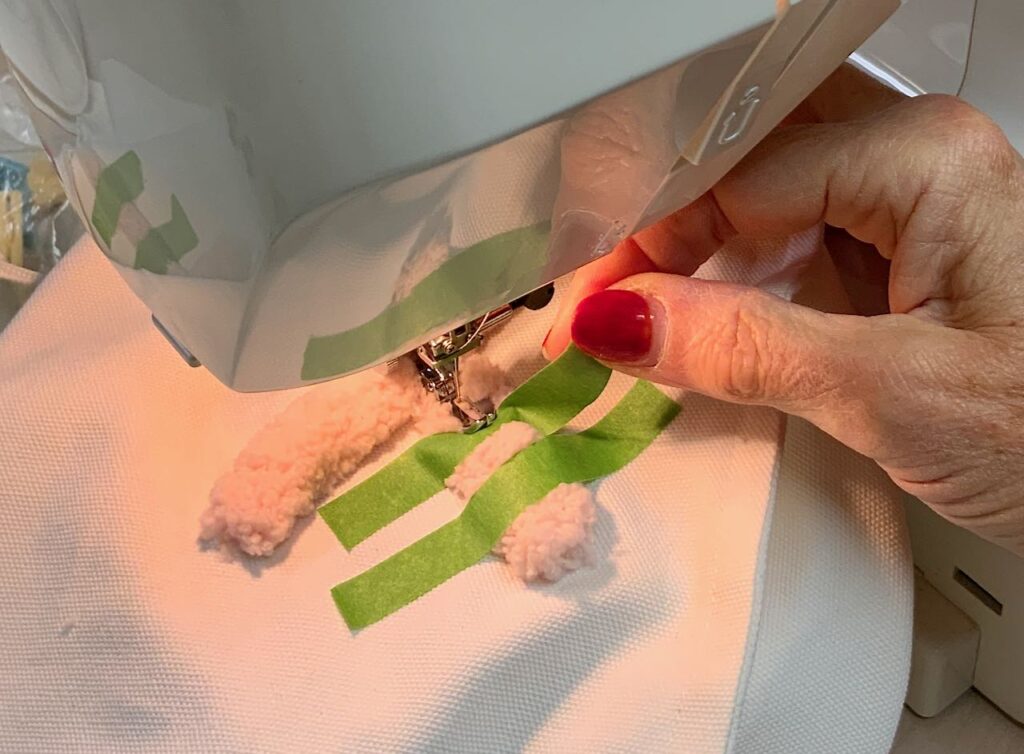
(614,326)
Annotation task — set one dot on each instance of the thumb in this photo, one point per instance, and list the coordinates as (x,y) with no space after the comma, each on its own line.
(726,341)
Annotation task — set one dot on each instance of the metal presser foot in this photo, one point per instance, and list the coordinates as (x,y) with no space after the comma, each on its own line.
(438,359)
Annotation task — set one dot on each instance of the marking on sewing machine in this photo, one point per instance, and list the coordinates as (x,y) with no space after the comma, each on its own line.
(735,124)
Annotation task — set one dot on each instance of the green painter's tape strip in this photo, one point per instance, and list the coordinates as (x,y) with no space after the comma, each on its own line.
(166,243)
(500,263)
(601,450)
(118,183)
(548,401)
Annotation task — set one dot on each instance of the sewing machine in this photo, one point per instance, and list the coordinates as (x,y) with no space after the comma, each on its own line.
(300,195)
(300,192)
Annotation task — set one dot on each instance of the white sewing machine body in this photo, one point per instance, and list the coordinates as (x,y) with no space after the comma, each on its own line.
(298,193)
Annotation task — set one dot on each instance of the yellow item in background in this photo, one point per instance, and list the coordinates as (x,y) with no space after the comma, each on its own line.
(36,224)
(43,182)
(11,228)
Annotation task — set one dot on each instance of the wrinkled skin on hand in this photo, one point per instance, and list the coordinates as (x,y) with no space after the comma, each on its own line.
(933,390)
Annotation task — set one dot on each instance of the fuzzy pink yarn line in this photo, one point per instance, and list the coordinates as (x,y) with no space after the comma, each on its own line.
(553,537)
(488,456)
(296,460)
(550,538)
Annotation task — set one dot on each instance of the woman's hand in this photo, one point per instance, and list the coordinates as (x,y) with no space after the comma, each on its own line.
(933,391)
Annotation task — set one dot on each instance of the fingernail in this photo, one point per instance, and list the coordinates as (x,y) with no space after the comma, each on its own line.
(614,325)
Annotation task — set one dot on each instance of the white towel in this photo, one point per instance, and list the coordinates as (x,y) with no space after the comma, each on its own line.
(752,592)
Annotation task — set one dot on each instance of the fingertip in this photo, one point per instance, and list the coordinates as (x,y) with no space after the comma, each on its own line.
(544,346)
(554,343)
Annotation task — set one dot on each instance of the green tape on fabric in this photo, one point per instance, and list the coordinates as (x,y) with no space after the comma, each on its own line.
(166,243)
(548,400)
(505,261)
(601,450)
(118,183)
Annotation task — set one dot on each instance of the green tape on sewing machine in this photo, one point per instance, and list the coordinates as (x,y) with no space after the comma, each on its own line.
(118,183)
(167,243)
(504,262)
(548,400)
(603,449)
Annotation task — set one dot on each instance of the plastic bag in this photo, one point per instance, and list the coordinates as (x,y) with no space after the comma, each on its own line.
(31,195)
(36,222)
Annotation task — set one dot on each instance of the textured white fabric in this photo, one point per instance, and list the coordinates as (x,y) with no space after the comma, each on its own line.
(833,680)
(697,631)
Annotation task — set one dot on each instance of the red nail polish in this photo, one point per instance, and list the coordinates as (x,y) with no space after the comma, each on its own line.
(614,326)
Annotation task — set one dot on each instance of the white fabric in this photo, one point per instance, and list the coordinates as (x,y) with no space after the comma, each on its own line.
(701,629)
(829,642)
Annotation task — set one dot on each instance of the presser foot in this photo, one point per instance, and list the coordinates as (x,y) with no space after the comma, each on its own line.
(438,364)
(438,360)
(441,377)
